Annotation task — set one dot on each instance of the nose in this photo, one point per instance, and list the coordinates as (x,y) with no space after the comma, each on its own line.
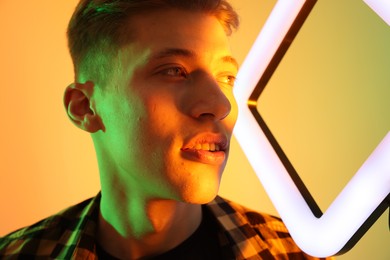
(207,100)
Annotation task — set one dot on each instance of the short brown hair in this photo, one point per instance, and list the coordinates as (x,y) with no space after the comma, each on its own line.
(95,29)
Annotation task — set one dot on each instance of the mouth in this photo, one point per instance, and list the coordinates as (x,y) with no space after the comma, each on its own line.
(209,149)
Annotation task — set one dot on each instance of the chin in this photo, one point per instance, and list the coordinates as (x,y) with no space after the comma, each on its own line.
(200,195)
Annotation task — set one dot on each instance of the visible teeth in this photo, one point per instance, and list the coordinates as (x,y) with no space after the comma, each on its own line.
(207,147)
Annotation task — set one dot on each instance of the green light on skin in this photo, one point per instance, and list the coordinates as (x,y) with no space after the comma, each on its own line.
(114,216)
(98,64)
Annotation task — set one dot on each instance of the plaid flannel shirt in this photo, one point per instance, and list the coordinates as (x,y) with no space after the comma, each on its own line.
(70,234)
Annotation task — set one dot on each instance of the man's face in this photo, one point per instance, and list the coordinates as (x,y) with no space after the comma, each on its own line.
(169,113)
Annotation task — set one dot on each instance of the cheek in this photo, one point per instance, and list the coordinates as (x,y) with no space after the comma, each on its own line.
(121,117)
(231,119)
(158,124)
(162,112)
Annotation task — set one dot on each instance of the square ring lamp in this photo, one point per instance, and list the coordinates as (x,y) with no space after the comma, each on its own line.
(363,199)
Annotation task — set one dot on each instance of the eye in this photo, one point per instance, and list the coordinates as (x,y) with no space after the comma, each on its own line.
(175,72)
(227,79)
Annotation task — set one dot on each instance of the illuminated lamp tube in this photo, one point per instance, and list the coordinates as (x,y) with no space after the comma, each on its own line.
(324,235)
(381,7)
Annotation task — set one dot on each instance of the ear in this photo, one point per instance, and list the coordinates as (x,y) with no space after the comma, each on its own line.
(78,105)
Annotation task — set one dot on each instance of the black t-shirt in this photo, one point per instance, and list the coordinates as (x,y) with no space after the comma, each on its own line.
(202,244)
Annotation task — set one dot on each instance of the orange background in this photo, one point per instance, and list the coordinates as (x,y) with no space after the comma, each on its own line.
(47,164)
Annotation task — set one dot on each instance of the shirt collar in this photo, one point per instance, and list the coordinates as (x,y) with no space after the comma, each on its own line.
(79,242)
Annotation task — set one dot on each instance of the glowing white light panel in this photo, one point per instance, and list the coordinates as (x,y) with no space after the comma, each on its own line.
(327,235)
(381,7)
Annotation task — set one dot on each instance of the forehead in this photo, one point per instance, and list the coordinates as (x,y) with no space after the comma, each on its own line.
(178,29)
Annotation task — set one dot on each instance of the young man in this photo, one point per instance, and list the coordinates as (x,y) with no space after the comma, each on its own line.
(154,83)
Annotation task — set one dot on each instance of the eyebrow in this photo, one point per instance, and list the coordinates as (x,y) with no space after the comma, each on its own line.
(230,59)
(169,52)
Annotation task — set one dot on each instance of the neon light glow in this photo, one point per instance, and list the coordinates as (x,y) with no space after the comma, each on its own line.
(362,200)
(381,7)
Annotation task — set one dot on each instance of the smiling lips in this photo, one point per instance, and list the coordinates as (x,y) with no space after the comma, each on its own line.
(208,150)
(207,147)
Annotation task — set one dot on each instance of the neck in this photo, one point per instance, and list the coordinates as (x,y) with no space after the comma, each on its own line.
(133,226)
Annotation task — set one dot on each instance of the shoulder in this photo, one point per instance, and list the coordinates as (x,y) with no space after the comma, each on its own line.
(43,235)
(261,221)
(245,216)
(264,232)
